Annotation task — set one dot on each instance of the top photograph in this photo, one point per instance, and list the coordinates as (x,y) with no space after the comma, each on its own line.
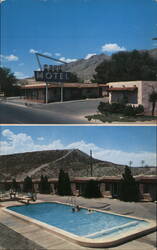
(78,62)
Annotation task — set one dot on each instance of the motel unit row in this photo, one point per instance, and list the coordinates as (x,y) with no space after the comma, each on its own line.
(109,186)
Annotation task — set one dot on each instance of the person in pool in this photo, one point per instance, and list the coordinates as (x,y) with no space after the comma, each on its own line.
(77,208)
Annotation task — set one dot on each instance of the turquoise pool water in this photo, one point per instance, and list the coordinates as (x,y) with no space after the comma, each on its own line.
(82,223)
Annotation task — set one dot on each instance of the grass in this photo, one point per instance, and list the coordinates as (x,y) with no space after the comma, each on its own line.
(120,118)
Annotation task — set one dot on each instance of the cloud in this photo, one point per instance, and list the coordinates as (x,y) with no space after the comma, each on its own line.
(40,138)
(89,55)
(33,51)
(21,142)
(47,54)
(57,54)
(20,75)
(9,58)
(67,60)
(1,1)
(112,47)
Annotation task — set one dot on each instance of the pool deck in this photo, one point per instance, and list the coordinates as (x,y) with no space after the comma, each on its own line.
(18,234)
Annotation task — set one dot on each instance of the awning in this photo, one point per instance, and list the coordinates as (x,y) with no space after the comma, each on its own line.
(123,89)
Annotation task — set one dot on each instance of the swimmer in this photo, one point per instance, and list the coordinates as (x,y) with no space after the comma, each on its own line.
(73,209)
(89,211)
(77,208)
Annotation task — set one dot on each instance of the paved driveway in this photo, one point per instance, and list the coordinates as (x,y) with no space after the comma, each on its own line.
(73,112)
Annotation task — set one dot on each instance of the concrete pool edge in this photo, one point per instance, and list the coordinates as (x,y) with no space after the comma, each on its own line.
(87,242)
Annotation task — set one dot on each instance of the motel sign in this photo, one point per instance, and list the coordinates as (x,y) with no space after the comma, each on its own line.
(52,74)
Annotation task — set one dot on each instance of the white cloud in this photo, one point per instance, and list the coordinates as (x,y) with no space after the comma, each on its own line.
(112,47)
(18,143)
(33,51)
(47,54)
(9,58)
(20,75)
(67,60)
(40,138)
(89,55)
(57,54)
(2,1)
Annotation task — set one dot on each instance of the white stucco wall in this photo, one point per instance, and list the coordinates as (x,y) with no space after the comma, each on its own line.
(144,90)
(125,85)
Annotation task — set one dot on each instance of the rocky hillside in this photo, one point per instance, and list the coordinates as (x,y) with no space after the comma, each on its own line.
(74,161)
(85,68)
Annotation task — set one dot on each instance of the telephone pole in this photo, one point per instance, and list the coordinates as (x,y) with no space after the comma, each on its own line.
(91,163)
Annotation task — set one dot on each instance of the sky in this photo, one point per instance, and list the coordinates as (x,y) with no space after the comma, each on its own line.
(118,144)
(72,29)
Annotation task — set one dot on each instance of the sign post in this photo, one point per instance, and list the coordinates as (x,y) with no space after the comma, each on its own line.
(46,92)
(51,74)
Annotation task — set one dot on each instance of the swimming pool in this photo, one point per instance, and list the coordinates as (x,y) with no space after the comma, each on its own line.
(83,226)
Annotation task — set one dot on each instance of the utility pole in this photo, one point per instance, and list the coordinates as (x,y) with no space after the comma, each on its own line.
(91,163)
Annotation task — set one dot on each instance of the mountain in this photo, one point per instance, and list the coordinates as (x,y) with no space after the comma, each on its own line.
(85,68)
(74,161)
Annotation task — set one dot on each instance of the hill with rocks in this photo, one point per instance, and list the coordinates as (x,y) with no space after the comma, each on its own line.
(73,161)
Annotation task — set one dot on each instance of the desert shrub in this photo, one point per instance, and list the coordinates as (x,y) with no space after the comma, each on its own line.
(139,109)
(120,108)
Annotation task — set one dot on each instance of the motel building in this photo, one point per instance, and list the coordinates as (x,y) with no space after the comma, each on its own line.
(36,91)
(109,186)
(134,92)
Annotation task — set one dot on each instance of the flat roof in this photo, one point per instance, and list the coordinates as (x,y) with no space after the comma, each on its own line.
(58,85)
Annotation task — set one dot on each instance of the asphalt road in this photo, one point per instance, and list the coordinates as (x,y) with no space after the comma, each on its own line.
(53,113)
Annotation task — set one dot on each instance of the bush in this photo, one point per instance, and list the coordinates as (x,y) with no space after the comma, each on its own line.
(120,108)
(64,186)
(44,185)
(28,185)
(92,190)
(129,190)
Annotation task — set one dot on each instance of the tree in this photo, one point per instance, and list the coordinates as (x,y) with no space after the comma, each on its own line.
(15,185)
(8,82)
(64,186)
(44,185)
(92,190)
(153,100)
(73,77)
(28,185)
(127,66)
(129,190)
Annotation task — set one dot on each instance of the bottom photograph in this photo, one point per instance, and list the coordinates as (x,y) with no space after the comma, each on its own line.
(78,187)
